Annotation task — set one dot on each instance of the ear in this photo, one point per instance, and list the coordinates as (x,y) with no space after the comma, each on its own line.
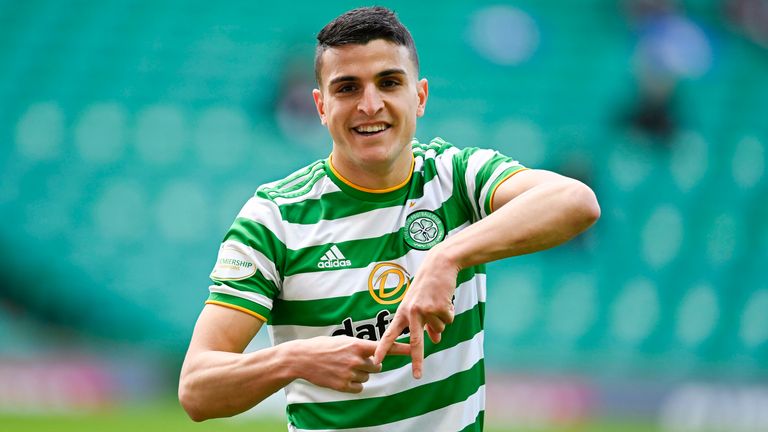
(318,97)
(422,90)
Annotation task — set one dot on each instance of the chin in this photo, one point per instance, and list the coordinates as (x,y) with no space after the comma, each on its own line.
(375,157)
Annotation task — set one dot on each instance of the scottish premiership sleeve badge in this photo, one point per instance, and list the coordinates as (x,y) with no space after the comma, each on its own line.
(423,229)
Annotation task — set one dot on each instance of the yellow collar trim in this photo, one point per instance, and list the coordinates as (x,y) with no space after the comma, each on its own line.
(364,189)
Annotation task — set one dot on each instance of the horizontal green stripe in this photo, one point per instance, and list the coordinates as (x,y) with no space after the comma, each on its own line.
(331,311)
(381,410)
(464,327)
(334,205)
(241,302)
(256,283)
(258,237)
(477,425)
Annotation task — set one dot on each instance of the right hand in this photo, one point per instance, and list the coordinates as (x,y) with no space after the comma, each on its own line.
(341,363)
(428,305)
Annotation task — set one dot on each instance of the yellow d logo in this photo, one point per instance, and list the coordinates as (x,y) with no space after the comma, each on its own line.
(388,283)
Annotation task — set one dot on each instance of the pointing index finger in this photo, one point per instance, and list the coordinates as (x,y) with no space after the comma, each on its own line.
(388,339)
(417,345)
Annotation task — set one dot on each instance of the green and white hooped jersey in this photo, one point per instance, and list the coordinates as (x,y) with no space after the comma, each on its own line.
(314,255)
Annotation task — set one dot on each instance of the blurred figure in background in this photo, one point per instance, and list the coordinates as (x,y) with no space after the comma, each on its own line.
(670,48)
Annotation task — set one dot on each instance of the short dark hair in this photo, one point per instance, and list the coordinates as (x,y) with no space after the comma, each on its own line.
(360,26)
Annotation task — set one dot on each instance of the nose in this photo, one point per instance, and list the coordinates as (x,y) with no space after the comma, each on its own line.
(370,101)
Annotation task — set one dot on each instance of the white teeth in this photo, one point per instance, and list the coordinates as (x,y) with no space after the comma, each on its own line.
(371,128)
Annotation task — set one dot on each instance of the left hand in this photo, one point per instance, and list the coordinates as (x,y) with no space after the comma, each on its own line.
(427,305)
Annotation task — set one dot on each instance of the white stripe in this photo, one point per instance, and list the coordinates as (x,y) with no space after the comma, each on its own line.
(451,418)
(329,256)
(468,294)
(263,264)
(266,213)
(474,165)
(247,295)
(338,282)
(487,187)
(437,367)
(337,252)
(355,227)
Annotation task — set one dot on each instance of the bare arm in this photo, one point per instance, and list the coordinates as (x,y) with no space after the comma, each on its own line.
(536,210)
(218,380)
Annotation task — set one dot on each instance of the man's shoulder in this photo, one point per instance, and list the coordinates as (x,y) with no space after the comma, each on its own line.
(294,185)
(439,150)
(435,147)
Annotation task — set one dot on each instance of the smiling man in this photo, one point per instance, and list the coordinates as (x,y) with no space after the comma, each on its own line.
(370,98)
(352,259)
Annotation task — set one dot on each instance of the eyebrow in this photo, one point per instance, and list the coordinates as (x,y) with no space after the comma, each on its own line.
(348,78)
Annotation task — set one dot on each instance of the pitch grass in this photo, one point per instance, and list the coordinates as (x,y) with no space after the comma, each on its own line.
(169,417)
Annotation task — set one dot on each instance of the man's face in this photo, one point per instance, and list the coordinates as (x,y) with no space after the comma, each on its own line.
(369,99)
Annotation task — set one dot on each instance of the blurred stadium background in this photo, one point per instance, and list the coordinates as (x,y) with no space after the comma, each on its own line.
(132,132)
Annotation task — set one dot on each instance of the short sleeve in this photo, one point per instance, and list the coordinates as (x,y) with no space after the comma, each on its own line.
(246,275)
(482,171)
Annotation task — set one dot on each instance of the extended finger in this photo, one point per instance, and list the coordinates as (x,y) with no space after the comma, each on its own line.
(417,344)
(388,339)
(399,348)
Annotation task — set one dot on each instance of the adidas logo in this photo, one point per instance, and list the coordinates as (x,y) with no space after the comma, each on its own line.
(333,259)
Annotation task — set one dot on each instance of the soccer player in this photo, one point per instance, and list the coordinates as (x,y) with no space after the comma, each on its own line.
(351,259)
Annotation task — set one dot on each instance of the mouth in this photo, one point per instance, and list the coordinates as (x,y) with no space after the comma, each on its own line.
(371,129)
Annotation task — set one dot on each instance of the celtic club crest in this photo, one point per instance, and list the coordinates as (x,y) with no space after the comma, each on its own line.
(423,229)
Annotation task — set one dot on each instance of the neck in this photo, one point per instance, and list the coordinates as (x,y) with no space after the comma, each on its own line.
(375,178)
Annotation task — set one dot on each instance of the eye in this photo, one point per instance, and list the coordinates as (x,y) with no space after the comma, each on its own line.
(388,83)
(346,88)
